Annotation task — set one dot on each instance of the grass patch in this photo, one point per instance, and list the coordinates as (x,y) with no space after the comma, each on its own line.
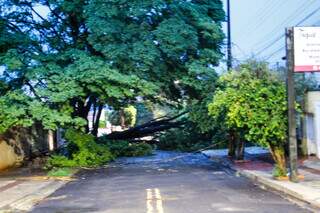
(61,172)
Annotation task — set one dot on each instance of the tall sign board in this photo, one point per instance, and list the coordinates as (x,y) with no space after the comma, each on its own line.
(306,49)
(303,55)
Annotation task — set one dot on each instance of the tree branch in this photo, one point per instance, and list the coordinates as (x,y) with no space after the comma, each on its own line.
(147,129)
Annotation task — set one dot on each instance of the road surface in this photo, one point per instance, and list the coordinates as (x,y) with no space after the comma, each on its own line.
(167,182)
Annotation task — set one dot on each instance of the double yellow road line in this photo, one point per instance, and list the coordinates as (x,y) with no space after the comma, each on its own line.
(154,201)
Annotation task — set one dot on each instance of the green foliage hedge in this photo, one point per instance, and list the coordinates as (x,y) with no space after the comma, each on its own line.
(121,148)
(84,152)
(185,139)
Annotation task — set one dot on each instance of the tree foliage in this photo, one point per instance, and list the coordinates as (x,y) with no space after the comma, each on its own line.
(83,151)
(253,102)
(128,114)
(61,59)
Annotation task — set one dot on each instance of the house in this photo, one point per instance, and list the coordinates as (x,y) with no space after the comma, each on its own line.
(312,122)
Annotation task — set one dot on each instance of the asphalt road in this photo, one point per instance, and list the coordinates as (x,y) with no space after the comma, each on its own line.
(164,183)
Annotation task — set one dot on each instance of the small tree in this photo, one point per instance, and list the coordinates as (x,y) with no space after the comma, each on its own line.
(125,117)
(130,113)
(253,102)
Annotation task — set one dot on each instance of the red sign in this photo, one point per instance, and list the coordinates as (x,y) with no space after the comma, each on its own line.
(314,68)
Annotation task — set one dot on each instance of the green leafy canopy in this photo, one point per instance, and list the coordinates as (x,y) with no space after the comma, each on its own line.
(61,59)
(252,101)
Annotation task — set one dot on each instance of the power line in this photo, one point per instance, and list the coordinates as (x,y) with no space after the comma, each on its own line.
(282,47)
(308,16)
(259,12)
(301,9)
(270,44)
(261,15)
(275,52)
(240,49)
(263,19)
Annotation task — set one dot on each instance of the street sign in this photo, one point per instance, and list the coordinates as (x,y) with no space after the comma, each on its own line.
(306,49)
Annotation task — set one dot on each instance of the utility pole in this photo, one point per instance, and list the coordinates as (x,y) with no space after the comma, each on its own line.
(293,154)
(229,60)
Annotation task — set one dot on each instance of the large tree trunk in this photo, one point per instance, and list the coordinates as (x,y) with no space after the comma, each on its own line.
(93,120)
(239,149)
(232,144)
(236,145)
(97,120)
(82,109)
(278,155)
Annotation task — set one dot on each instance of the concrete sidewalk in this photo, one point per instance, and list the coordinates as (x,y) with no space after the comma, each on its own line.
(258,168)
(20,191)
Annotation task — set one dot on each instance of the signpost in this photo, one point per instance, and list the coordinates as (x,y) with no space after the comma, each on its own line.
(303,55)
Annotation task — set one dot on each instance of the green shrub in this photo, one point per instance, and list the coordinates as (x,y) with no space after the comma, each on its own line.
(184,139)
(130,113)
(120,148)
(102,124)
(138,149)
(60,161)
(83,152)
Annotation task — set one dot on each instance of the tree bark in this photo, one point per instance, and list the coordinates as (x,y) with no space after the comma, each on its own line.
(94,114)
(147,129)
(278,155)
(83,109)
(232,144)
(122,119)
(239,149)
(97,121)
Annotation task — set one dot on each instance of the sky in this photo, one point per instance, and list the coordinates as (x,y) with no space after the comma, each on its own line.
(257,26)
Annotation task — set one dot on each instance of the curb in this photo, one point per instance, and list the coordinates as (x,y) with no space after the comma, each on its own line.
(27,203)
(272,184)
(312,201)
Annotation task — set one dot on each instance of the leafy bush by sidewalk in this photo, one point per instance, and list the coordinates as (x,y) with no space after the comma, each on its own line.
(83,152)
(251,102)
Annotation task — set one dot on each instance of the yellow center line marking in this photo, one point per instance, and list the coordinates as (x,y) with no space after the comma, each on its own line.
(154,201)
(149,201)
(158,200)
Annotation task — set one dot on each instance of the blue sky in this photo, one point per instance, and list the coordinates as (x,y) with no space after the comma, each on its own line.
(257,24)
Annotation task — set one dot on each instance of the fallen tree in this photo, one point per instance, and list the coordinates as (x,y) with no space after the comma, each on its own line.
(147,129)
